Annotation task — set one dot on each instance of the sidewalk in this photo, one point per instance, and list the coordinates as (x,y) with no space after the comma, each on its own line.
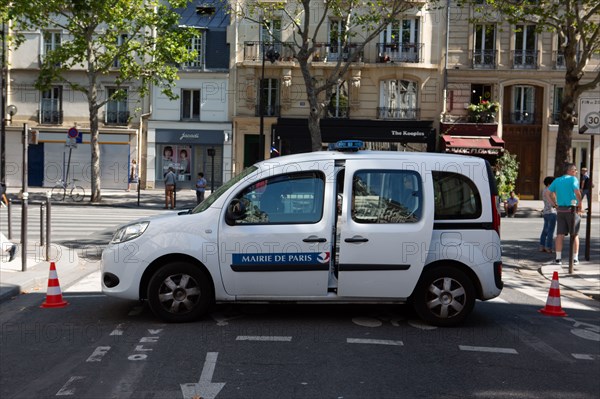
(585,279)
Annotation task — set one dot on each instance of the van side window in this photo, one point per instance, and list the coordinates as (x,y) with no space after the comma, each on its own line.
(290,198)
(386,196)
(456,196)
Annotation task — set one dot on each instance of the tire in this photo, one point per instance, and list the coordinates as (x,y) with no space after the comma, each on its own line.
(77,193)
(58,194)
(444,296)
(179,292)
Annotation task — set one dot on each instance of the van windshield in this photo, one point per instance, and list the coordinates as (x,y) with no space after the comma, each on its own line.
(218,192)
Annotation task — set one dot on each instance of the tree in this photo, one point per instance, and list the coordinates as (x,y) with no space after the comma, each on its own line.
(362,21)
(577,24)
(134,42)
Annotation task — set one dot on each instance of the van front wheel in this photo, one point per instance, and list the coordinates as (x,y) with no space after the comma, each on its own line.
(179,292)
(444,296)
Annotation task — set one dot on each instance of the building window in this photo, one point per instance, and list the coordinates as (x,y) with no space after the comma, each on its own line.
(558,96)
(50,42)
(338,105)
(190,105)
(121,40)
(484,55)
(525,54)
(523,104)
(51,106)
(270,37)
(117,111)
(398,100)
(269,98)
(399,41)
(480,92)
(337,40)
(196,45)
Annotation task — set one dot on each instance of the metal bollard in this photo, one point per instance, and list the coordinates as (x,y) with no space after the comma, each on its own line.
(48,229)
(9,218)
(42,206)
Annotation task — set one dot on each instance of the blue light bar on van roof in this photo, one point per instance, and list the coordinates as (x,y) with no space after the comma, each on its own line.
(346,145)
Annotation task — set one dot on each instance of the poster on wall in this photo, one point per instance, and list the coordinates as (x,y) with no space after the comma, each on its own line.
(177,157)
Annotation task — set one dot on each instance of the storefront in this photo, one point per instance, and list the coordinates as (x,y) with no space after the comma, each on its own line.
(52,159)
(189,152)
(291,135)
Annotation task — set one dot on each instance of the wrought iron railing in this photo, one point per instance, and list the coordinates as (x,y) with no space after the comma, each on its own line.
(257,51)
(331,52)
(484,59)
(525,59)
(117,117)
(399,52)
(50,117)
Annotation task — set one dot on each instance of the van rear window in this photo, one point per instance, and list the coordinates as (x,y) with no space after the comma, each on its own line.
(456,196)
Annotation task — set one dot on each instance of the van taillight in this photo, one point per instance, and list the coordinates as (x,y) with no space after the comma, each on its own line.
(495,214)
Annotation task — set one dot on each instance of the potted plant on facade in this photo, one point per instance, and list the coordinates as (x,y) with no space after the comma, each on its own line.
(506,170)
(484,112)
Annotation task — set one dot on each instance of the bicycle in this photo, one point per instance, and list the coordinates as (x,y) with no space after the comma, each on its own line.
(59,191)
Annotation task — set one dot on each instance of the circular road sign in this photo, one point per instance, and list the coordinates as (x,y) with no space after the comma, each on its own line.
(73,133)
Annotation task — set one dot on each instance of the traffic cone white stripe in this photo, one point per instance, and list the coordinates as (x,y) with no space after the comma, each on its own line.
(553,307)
(54,297)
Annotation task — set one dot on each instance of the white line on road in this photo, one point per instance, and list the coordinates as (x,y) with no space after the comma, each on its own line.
(66,390)
(487,349)
(98,354)
(118,330)
(374,341)
(263,338)
(583,356)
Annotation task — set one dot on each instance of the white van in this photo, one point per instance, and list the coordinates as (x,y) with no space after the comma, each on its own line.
(344,225)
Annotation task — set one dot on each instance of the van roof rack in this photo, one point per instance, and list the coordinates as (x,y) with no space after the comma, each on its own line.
(346,146)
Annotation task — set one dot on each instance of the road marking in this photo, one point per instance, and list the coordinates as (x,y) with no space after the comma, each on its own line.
(583,356)
(487,349)
(374,341)
(98,354)
(67,390)
(118,330)
(204,388)
(263,338)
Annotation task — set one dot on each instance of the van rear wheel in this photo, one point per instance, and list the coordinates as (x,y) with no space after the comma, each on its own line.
(179,292)
(444,296)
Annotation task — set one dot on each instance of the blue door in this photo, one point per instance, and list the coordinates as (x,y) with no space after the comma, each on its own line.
(35,171)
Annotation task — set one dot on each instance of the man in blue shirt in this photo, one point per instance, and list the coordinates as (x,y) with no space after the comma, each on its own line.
(200,187)
(564,194)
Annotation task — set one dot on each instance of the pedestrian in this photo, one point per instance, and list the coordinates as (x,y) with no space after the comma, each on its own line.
(585,185)
(549,213)
(3,199)
(170,188)
(7,246)
(133,174)
(511,204)
(200,187)
(564,194)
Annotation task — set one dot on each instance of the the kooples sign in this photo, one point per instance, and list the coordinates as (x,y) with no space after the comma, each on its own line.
(408,133)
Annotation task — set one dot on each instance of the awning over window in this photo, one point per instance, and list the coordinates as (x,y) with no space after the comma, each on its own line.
(489,145)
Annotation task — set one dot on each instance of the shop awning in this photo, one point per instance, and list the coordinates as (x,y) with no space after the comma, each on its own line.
(488,145)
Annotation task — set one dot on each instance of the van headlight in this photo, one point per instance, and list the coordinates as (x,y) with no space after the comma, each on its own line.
(129,232)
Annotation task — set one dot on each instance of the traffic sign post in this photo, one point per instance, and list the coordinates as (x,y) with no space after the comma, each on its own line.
(589,123)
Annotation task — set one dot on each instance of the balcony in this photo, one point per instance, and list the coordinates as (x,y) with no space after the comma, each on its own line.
(117,117)
(484,59)
(525,59)
(253,51)
(329,52)
(398,113)
(339,112)
(399,52)
(268,110)
(50,117)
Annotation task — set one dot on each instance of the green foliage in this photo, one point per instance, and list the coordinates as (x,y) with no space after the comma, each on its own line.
(506,171)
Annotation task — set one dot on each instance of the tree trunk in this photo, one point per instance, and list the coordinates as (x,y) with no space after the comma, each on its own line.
(314,116)
(565,123)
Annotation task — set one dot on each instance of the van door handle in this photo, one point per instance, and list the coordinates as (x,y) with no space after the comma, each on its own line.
(356,239)
(315,239)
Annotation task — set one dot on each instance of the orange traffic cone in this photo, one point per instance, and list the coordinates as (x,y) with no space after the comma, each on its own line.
(54,297)
(553,307)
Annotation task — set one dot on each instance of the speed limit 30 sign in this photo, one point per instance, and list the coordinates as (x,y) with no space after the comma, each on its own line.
(589,111)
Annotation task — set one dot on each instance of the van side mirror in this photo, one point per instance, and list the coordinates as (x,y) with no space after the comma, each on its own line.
(236,210)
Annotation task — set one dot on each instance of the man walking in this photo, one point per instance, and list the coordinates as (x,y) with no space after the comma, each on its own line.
(200,187)
(585,186)
(170,188)
(564,194)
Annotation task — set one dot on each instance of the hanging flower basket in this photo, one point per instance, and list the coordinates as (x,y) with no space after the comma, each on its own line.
(484,112)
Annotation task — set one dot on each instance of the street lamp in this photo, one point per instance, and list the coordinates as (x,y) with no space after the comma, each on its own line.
(272,55)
